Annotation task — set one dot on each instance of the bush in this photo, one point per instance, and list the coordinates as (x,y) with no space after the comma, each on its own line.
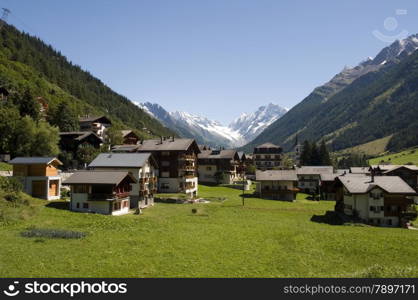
(52,233)
(10,184)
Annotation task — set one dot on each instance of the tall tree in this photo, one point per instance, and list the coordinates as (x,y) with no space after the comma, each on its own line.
(28,106)
(306,154)
(65,118)
(324,156)
(315,158)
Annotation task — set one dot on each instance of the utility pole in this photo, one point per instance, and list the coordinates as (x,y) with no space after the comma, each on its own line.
(4,16)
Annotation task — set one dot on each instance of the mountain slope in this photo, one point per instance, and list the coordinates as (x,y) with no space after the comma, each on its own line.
(354,107)
(88,94)
(209,132)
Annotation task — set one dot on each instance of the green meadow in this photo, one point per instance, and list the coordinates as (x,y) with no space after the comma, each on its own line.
(263,238)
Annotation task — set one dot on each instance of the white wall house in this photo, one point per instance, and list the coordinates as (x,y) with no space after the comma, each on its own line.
(103,192)
(143,168)
(378,200)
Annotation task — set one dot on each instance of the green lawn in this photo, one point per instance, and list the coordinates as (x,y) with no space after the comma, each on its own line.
(265,238)
(400,158)
(5,166)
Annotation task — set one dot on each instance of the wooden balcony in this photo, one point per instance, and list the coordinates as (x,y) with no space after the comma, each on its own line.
(187,157)
(107,197)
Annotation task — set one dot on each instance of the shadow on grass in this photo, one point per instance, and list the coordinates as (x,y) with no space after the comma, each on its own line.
(59,205)
(330,217)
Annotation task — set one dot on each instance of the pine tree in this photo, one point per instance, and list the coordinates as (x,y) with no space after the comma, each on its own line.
(65,118)
(315,157)
(28,106)
(325,159)
(306,154)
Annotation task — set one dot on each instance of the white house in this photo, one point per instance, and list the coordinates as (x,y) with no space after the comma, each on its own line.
(142,166)
(103,192)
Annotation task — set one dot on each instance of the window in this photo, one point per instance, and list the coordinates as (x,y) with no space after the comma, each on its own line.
(165,186)
(389,221)
(116,206)
(165,153)
(86,205)
(208,168)
(77,205)
(125,204)
(267,156)
(81,188)
(165,174)
(165,163)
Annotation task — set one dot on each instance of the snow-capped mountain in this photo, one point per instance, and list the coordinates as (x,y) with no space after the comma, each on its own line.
(213,133)
(251,125)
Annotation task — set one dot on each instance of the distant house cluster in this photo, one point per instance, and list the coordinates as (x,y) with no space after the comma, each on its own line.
(377,195)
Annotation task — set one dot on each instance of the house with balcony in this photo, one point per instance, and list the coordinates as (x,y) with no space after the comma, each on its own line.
(218,166)
(102,192)
(309,177)
(277,184)
(98,125)
(176,159)
(268,156)
(142,166)
(377,200)
(39,176)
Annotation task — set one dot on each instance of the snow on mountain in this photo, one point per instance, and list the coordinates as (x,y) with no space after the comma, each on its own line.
(251,125)
(213,133)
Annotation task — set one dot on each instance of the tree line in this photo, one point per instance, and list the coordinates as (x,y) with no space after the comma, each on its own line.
(312,155)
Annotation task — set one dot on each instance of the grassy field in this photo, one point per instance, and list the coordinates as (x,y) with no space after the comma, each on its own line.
(264,238)
(400,158)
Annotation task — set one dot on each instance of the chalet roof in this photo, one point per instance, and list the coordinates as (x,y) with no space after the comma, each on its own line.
(99,177)
(363,184)
(101,119)
(126,132)
(242,155)
(267,145)
(393,167)
(315,170)
(34,160)
(278,175)
(333,176)
(125,148)
(125,160)
(409,167)
(80,135)
(167,145)
(218,154)
(360,170)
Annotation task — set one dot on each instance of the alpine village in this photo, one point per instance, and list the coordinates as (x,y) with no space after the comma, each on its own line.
(329,188)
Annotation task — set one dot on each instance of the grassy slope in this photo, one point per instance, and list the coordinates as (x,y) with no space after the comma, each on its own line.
(5,166)
(263,239)
(400,158)
(375,147)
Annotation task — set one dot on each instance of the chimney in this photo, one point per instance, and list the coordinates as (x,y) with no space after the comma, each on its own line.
(372,175)
(161,139)
(172,138)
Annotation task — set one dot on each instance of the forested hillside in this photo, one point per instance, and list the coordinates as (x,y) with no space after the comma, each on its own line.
(29,65)
(379,103)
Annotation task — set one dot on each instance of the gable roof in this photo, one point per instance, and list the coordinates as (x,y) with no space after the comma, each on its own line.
(242,155)
(101,119)
(99,177)
(125,160)
(124,148)
(363,184)
(80,135)
(287,175)
(360,170)
(36,160)
(315,170)
(218,154)
(167,145)
(126,132)
(267,145)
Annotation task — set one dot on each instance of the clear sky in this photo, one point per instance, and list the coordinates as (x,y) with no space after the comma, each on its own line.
(216,58)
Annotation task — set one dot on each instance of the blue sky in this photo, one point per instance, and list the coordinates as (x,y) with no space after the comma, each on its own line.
(216,58)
